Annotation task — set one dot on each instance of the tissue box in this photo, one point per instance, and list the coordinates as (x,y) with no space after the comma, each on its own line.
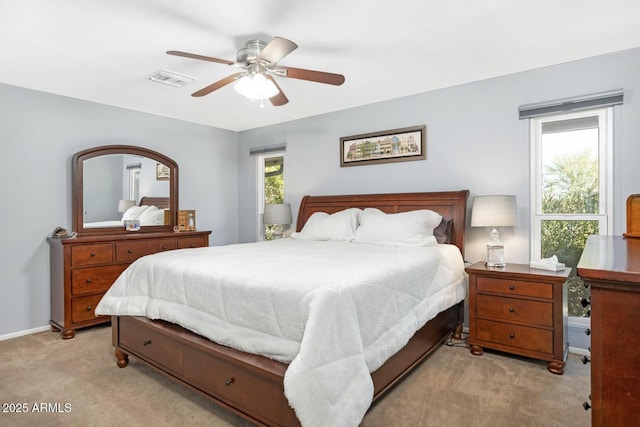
(551,266)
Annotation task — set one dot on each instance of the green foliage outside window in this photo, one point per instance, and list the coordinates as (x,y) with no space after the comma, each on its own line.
(273,190)
(570,186)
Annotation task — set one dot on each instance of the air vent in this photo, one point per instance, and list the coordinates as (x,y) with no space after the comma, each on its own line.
(171,78)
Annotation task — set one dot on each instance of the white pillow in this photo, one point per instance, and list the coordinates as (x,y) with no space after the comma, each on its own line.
(413,228)
(134,212)
(337,226)
(152,216)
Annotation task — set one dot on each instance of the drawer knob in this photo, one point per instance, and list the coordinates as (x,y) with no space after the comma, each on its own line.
(228,381)
(93,254)
(89,308)
(146,343)
(88,280)
(164,248)
(130,251)
(511,309)
(512,287)
(512,335)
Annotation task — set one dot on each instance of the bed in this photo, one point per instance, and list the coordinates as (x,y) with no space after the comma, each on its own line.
(253,386)
(149,212)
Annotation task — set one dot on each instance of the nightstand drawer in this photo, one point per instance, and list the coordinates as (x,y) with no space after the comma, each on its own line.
(515,310)
(524,337)
(515,287)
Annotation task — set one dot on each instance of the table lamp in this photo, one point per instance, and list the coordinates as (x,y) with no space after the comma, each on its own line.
(277,214)
(494,212)
(124,205)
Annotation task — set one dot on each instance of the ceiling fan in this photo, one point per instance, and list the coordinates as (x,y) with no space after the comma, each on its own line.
(259,62)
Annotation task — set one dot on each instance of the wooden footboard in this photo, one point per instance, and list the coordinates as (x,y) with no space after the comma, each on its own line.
(252,386)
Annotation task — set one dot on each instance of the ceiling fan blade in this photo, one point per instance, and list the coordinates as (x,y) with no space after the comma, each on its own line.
(201,57)
(217,85)
(314,76)
(277,49)
(279,99)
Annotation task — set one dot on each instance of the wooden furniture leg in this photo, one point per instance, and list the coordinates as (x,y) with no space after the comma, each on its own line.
(122,357)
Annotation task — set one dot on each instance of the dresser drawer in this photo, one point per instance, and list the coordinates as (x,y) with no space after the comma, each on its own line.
(232,383)
(130,251)
(150,344)
(94,279)
(83,309)
(515,309)
(85,255)
(191,242)
(516,336)
(514,287)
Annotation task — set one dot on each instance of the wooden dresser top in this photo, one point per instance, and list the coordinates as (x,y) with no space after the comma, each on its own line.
(612,258)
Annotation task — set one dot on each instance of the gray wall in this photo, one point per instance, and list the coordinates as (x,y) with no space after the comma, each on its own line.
(40,133)
(474,141)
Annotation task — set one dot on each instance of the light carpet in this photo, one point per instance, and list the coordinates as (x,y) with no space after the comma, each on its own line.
(79,384)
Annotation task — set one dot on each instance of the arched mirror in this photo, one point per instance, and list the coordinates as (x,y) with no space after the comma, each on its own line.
(117,182)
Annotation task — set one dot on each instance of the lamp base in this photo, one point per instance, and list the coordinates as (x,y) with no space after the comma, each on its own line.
(495,255)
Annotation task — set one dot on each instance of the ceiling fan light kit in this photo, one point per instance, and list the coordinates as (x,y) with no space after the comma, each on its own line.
(258,60)
(255,85)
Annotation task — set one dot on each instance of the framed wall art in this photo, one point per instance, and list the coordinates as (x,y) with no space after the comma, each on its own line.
(162,172)
(395,145)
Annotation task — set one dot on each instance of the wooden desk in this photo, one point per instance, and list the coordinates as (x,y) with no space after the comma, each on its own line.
(610,265)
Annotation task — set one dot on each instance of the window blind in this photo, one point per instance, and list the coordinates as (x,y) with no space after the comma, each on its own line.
(596,100)
(256,151)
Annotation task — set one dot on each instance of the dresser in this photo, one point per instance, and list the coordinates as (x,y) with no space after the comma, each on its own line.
(610,266)
(519,310)
(83,269)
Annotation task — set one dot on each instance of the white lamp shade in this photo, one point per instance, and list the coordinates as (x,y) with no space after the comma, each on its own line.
(256,86)
(277,214)
(494,211)
(124,205)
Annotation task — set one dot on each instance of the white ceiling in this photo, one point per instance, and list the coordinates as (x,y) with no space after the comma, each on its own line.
(105,50)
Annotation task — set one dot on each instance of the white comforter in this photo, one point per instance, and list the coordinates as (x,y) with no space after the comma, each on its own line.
(335,310)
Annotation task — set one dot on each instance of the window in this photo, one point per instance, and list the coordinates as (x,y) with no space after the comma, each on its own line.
(571,189)
(134,183)
(270,188)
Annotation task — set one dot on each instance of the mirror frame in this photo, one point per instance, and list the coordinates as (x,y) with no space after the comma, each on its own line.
(77,189)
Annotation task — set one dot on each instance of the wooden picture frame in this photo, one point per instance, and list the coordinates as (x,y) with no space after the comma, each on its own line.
(186,220)
(394,145)
(162,172)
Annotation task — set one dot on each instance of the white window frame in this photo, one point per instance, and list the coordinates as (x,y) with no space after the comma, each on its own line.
(260,160)
(134,183)
(605,158)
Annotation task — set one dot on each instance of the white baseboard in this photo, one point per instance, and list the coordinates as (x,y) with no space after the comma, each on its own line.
(26,332)
(580,351)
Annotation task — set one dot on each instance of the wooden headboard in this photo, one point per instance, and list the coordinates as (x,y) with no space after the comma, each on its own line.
(159,202)
(450,204)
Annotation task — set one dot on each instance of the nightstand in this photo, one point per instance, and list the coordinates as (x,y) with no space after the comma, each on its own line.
(519,310)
